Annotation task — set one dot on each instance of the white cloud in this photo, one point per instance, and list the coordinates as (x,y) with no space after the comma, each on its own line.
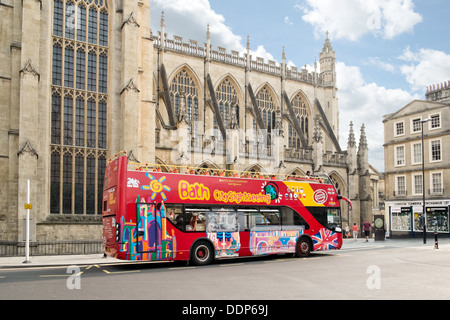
(288,21)
(262,53)
(352,19)
(189,19)
(376,61)
(399,17)
(425,67)
(366,103)
(360,102)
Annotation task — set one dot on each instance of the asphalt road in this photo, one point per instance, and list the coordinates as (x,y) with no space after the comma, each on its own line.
(376,272)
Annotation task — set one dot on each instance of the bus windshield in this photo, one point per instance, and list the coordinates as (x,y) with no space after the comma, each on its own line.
(330,218)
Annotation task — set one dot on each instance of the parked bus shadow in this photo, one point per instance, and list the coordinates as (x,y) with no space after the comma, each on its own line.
(182,265)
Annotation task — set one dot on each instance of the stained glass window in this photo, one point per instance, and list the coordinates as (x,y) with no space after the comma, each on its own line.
(226,96)
(301,113)
(266,105)
(183,87)
(78,106)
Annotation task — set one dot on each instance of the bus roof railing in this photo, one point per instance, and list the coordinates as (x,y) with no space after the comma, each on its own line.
(149,167)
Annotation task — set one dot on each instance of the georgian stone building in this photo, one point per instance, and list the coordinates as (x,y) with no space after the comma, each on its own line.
(417,170)
(81,80)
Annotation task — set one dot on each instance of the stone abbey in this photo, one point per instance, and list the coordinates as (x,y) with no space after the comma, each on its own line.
(81,80)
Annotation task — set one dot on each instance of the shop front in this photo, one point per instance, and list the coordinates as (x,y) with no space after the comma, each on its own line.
(406,219)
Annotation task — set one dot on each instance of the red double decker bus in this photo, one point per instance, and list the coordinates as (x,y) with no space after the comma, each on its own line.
(150,215)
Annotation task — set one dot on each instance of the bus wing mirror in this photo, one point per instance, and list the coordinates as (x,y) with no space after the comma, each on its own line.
(347,200)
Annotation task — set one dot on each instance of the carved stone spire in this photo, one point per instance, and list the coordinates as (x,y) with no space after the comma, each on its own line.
(363,154)
(351,136)
(362,139)
(208,44)
(327,47)
(283,65)
(327,60)
(163,26)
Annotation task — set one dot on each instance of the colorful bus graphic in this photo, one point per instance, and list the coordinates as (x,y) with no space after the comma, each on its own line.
(198,216)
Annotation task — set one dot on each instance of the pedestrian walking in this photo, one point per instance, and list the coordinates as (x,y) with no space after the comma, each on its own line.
(355,231)
(347,231)
(366,227)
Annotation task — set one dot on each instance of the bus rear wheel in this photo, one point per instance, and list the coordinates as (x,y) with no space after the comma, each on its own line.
(304,247)
(202,253)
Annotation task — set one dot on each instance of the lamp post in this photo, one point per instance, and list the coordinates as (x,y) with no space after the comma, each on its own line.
(424,213)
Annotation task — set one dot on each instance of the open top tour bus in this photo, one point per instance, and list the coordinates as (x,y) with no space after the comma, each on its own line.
(198,216)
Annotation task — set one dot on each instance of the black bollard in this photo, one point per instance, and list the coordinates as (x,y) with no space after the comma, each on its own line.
(436,246)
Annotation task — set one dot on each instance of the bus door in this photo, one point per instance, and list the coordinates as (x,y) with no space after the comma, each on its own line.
(147,228)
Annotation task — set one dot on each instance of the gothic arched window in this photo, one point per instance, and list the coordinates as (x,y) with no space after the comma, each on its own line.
(183,87)
(226,96)
(266,106)
(337,183)
(78,106)
(301,113)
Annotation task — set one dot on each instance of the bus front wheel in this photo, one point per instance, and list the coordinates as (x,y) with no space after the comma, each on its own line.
(304,247)
(202,253)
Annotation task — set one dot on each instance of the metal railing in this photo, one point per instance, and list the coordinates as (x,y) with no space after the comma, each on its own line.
(44,248)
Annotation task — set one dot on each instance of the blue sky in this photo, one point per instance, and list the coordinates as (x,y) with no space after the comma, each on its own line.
(388,51)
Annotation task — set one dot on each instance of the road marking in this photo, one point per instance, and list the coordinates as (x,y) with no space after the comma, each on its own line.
(36,268)
(117,272)
(231,265)
(182,268)
(94,265)
(60,275)
(277,260)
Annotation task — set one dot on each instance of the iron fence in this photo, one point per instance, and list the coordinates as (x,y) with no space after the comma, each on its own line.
(44,248)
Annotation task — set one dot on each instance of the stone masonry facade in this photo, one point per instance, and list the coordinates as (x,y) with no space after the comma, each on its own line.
(81,80)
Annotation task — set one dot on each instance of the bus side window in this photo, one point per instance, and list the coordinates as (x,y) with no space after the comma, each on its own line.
(174,214)
(258,219)
(290,217)
(247,218)
(251,217)
(271,216)
(195,219)
(222,220)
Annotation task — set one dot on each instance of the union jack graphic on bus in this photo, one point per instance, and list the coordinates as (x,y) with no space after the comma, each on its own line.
(325,240)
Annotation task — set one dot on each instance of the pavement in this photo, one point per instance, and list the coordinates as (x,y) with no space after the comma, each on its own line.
(97,259)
